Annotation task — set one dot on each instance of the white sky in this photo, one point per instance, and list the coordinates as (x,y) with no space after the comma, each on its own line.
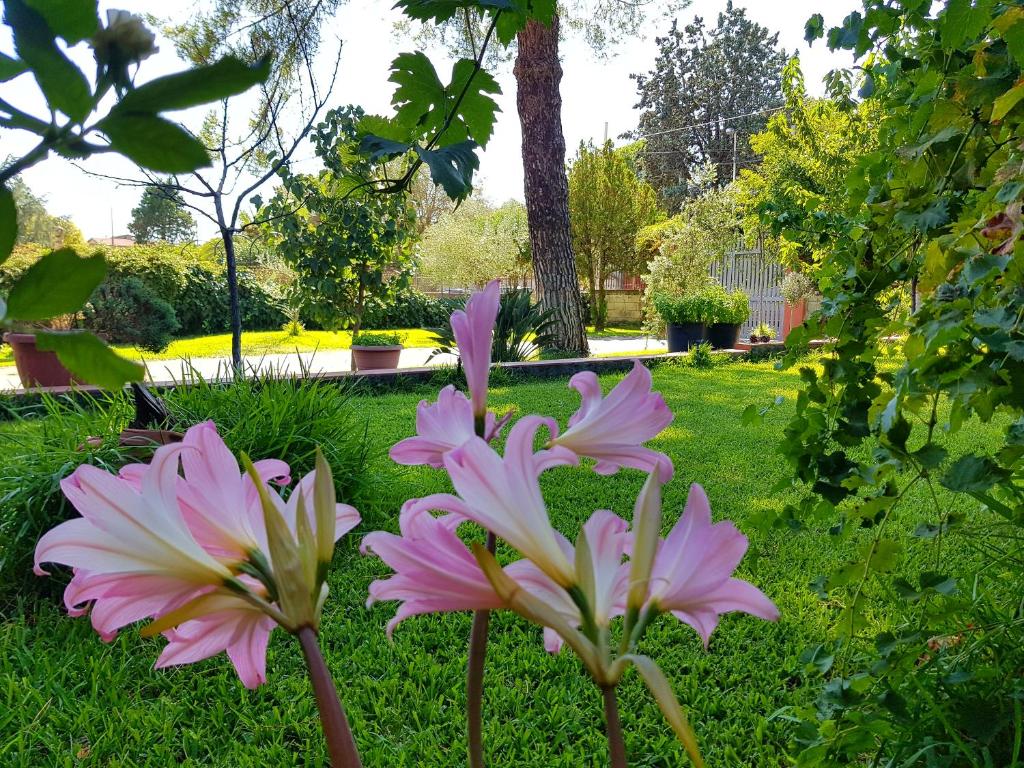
(593,92)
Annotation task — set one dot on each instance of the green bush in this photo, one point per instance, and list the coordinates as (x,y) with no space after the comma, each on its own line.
(410,309)
(695,307)
(700,356)
(127,311)
(735,308)
(202,304)
(275,417)
(376,339)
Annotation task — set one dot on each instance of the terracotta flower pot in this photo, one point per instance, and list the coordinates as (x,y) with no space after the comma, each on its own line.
(376,358)
(38,368)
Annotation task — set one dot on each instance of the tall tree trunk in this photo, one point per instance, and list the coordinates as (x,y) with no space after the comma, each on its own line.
(228,236)
(601,315)
(538,73)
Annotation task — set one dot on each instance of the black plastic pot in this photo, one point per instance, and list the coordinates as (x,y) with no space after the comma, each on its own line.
(723,335)
(682,337)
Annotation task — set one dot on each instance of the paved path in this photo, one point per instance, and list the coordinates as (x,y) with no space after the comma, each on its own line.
(328,361)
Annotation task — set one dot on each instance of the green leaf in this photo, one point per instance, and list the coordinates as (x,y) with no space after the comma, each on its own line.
(814,28)
(423,103)
(973,474)
(930,456)
(1007,101)
(228,77)
(10,68)
(962,21)
(154,143)
(660,688)
(420,97)
(477,110)
(74,20)
(443,10)
(90,359)
(61,82)
(452,167)
(59,283)
(377,147)
(8,223)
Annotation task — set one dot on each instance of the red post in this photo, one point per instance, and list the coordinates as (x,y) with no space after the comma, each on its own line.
(793,316)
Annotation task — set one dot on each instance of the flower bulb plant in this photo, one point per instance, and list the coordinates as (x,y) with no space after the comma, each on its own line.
(212,555)
(599,594)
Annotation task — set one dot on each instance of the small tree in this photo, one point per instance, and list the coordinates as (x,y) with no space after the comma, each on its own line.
(608,205)
(161,216)
(348,248)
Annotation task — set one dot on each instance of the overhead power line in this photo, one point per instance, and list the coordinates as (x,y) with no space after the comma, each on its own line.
(710,122)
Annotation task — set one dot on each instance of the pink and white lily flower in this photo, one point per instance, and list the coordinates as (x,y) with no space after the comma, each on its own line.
(441,427)
(434,572)
(474,334)
(153,544)
(502,494)
(612,429)
(692,572)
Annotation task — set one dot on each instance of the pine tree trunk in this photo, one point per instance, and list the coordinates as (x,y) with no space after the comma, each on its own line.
(538,73)
(227,235)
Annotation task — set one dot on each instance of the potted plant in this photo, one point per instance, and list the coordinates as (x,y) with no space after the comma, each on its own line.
(730,311)
(685,318)
(762,334)
(376,351)
(39,367)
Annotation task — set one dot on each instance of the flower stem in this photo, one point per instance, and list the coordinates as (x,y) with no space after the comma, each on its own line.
(341,747)
(475,679)
(616,746)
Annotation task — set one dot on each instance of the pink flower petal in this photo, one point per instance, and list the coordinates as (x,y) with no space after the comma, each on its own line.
(473,329)
(611,430)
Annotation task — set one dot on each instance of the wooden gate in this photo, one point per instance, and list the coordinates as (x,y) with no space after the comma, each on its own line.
(757,277)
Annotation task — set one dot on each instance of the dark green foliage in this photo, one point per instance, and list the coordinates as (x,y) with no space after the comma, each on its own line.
(284,418)
(127,311)
(161,216)
(409,309)
(37,453)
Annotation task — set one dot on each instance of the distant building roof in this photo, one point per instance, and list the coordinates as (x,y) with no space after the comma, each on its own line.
(118,241)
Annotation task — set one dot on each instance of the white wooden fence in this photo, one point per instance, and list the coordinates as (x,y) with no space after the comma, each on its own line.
(759,278)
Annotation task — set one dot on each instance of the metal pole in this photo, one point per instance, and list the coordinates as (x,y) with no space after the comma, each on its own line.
(734,154)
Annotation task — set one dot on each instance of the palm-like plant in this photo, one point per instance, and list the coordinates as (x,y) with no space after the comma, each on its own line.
(521,329)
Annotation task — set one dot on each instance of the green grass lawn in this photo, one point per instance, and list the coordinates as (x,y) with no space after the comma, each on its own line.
(68,699)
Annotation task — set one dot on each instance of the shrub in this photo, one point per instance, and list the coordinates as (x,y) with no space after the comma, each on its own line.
(410,309)
(202,304)
(267,416)
(695,307)
(700,356)
(127,311)
(377,339)
(796,286)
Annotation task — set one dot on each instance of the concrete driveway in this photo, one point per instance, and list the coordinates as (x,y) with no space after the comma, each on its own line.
(327,362)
